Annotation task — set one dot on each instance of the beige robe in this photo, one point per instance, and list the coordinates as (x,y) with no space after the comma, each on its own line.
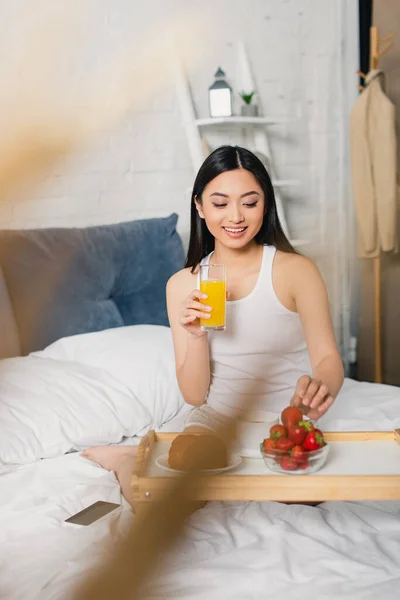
(374,167)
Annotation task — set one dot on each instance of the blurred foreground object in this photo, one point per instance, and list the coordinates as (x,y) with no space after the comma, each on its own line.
(39,129)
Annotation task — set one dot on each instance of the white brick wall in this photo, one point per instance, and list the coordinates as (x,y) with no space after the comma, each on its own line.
(143,169)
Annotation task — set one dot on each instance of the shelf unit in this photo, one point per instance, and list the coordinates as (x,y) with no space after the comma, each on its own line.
(238,120)
(254,128)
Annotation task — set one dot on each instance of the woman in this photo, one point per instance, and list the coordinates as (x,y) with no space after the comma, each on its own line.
(279,346)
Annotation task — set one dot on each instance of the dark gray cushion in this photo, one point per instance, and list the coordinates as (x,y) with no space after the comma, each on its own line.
(68,281)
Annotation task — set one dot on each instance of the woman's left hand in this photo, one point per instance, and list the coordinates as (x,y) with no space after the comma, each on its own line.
(312,397)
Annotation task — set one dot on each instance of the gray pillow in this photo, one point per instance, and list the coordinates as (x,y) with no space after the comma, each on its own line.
(68,281)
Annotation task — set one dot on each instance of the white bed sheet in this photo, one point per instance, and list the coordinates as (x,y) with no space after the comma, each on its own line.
(40,555)
(253,550)
(240,551)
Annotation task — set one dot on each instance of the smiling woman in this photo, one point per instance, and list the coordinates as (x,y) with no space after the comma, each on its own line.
(279,345)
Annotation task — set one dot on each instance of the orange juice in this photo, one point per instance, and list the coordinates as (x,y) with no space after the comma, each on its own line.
(216,298)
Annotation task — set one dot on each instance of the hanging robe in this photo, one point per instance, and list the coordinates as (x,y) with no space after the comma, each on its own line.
(373,153)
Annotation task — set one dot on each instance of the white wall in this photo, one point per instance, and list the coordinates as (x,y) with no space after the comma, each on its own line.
(302,53)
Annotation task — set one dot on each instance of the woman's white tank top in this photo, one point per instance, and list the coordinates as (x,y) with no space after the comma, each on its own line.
(262,352)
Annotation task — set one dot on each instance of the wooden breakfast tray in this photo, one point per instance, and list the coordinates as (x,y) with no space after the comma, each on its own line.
(360,466)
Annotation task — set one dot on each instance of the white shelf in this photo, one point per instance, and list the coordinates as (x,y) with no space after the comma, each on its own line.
(298,243)
(256,129)
(285,182)
(239,121)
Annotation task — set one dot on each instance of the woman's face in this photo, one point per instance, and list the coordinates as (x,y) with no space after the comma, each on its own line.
(233,207)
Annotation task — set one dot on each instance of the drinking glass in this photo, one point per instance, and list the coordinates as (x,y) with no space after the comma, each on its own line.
(213,283)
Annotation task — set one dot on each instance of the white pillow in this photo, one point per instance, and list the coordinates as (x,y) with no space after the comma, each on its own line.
(49,407)
(139,356)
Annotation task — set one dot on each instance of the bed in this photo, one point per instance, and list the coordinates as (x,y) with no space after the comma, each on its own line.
(75,388)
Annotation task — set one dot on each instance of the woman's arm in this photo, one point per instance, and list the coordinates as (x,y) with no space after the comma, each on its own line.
(192,358)
(318,393)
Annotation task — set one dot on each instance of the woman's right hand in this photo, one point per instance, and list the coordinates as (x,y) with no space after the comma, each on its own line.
(192,311)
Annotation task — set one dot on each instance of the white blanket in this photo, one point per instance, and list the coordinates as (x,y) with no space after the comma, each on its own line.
(40,555)
(249,551)
(241,551)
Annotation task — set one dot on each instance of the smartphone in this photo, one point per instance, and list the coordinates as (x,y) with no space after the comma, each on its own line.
(92,513)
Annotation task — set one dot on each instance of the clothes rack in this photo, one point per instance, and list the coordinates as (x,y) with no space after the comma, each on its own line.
(376,51)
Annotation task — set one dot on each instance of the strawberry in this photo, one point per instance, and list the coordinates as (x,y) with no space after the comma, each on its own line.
(320,433)
(307,425)
(305,465)
(291,416)
(277,431)
(298,454)
(287,464)
(269,446)
(283,443)
(313,441)
(296,433)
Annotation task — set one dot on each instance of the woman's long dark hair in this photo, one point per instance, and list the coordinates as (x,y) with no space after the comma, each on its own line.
(228,158)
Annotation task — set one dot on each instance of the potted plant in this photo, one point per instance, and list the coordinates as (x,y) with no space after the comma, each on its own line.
(248,109)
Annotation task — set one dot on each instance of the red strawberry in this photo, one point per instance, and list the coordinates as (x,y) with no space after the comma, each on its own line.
(320,433)
(296,433)
(283,443)
(291,416)
(313,441)
(298,454)
(269,446)
(277,431)
(288,464)
(305,465)
(307,425)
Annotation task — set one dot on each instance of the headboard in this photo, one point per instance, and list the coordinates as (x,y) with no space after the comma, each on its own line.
(60,282)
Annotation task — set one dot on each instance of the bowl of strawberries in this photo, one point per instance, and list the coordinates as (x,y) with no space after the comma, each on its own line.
(295,445)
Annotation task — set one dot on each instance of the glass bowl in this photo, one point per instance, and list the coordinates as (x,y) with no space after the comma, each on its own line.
(280,461)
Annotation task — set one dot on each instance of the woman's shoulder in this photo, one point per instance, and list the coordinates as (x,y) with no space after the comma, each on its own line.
(293,260)
(182,280)
(296,266)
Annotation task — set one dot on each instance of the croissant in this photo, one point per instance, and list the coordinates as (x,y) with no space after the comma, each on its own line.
(185,455)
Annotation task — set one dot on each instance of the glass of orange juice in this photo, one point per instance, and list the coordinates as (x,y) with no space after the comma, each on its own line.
(213,283)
